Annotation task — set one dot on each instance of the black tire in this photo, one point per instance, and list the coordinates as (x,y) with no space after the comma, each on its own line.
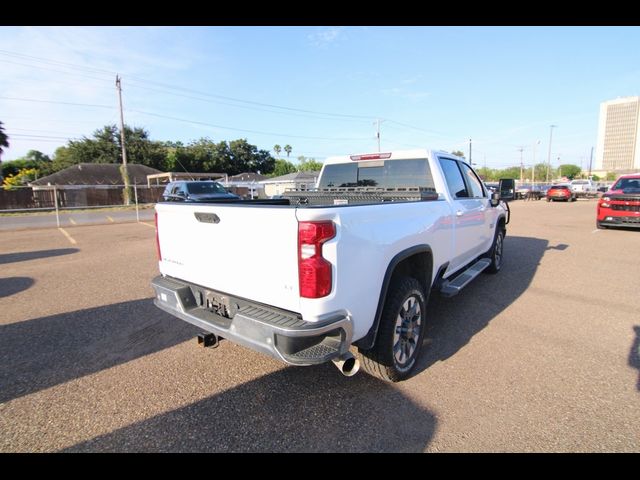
(548,199)
(385,359)
(495,254)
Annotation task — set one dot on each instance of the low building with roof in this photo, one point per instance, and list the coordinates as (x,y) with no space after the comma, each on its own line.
(104,175)
(94,184)
(246,185)
(296,180)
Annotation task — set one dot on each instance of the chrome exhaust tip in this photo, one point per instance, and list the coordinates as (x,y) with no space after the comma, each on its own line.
(347,364)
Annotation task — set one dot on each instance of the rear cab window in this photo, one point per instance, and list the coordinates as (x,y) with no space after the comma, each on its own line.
(385,174)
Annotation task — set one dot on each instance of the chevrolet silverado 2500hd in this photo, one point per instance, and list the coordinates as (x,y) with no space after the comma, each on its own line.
(351,262)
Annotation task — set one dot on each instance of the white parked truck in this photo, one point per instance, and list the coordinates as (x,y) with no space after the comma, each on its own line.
(351,262)
(583,188)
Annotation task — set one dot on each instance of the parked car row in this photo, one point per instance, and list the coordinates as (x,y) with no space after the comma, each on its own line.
(618,206)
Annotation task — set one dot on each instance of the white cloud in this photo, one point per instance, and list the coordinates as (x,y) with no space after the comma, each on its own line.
(326,36)
(411,80)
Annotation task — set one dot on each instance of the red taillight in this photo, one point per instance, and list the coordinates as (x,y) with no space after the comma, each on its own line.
(157,239)
(371,156)
(314,272)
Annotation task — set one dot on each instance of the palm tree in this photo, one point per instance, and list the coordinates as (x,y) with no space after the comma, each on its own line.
(4,140)
(287,148)
(277,148)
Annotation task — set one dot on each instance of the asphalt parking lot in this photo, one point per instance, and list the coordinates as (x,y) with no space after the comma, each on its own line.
(541,357)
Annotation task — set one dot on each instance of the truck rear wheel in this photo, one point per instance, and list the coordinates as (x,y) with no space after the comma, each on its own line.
(400,335)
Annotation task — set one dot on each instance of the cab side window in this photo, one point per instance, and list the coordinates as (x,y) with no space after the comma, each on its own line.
(473,182)
(453,176)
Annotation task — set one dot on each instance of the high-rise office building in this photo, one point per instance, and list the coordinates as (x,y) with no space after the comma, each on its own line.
(618,133)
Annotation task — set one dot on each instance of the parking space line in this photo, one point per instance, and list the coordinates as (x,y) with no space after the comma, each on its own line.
(148,224)
(596,231)
(110,219)
(66,234)
(73,222)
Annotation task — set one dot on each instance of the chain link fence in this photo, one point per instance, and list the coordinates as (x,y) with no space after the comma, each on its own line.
(76,197)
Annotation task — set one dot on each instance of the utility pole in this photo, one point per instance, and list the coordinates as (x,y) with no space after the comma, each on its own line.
(590,160)
(125,173)
(549,157)
(559,168)
(521,165)
(377,123)
(470,161)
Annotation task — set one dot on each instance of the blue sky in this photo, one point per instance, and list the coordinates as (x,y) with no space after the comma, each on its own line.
(432,87)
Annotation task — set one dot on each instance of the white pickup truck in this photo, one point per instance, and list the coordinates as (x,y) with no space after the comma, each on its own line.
(351,262)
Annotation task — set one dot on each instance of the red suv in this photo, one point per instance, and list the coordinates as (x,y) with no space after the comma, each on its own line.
(560,192)
(620,206)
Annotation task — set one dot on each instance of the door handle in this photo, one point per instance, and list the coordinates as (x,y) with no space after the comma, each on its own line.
(459,213)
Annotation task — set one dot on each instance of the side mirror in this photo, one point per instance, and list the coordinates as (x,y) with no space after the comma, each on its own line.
(494,201)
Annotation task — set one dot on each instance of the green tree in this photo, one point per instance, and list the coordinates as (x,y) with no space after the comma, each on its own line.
(308,164)
(37,156)
(457,153)
(178,158)
(105,146)
(247,158)
(277,148)
(287,148)
(282,167)
(63,157)
(510,172)
(487,174)
(595,178)
(611,176)
(33,159)
(4,139)
(541,172)
(568,170)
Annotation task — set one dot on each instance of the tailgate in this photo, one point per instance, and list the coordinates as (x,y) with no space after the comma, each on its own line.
(244,250)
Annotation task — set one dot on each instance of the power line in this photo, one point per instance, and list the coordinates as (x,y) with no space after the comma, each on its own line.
(56,62)
(419,128)
(39,136)
(218,102)
(56,102)
(25,139)
(54,70)
(258,132)
(184,120)
(183,95)
(175,87)
(42,131)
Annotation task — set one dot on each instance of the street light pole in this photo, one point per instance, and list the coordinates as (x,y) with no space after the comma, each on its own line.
(551,127)
(533,168)
(521,165)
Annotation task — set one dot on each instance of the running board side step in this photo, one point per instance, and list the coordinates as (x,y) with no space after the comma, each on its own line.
(453,287)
